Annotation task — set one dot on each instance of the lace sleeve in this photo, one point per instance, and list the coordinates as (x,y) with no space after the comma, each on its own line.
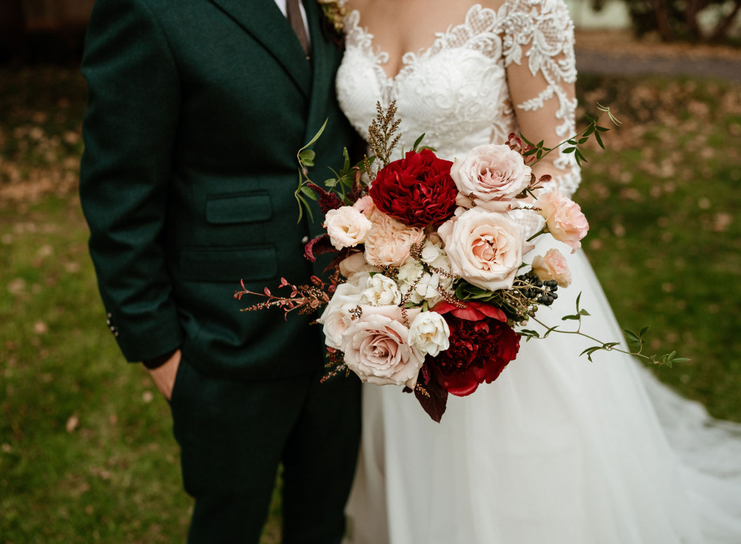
(538,49)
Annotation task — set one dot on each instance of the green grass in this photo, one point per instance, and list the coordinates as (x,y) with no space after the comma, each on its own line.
(86,450)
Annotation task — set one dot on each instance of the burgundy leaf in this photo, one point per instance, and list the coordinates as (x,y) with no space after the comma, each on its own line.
(318,246)
(432,396)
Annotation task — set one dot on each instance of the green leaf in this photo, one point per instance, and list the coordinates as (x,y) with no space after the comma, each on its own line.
(307,155)
(589,131)
(569,150)
(644,330)
(571,318)
(681,360)
(417,142)
(583,140)
(601,129)
(316,136)
(331,182)
(549,331)
(599,140)
(578,299)
(633,337)
(346,165)
(308,192)
(584,312)
(528,142)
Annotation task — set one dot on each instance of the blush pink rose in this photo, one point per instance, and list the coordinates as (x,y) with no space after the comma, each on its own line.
(493,175)
(389,241)
(564,218)
(365,206)
(377,349)
(553,266)
(484,248)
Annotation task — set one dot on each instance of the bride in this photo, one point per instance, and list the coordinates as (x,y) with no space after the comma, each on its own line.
(557,450)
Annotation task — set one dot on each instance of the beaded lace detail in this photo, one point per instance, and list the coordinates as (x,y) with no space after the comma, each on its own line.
(456,90)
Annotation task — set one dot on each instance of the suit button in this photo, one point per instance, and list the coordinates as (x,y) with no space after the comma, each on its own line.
(305,240)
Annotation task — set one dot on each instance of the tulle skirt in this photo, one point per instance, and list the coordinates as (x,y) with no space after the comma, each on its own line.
(558,450)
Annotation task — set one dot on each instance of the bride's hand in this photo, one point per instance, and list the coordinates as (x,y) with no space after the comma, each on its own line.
(164,376)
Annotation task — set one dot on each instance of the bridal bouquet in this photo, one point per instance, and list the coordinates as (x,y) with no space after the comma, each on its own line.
(428,288)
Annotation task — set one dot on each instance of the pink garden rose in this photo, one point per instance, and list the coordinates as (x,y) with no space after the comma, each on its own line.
(564,218)
(377,349)
(346,226)
(388,241)
(553,267)
(365,206)
(484,248)
(493,175)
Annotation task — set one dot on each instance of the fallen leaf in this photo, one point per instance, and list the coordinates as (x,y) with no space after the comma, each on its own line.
(72,423)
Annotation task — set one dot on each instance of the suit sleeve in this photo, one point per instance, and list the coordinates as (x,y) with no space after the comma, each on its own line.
(129,132)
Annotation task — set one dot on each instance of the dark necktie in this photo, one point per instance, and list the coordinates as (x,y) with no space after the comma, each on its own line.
(297,23)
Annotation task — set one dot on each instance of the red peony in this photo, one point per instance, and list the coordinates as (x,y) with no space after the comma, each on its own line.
(417,190)
(481,345)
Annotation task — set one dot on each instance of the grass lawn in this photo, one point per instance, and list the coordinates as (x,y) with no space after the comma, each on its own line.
(86,451)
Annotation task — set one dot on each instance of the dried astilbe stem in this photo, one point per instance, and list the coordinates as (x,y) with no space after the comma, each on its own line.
(381,137)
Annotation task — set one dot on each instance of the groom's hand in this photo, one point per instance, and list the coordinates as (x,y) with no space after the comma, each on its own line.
(164,376)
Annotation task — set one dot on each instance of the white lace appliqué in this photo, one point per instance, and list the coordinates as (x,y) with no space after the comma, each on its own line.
(456,90)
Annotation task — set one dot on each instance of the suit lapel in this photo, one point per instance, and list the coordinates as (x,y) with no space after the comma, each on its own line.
(264,21)
(321,55)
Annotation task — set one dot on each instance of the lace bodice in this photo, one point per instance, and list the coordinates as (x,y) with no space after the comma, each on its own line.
(457,91)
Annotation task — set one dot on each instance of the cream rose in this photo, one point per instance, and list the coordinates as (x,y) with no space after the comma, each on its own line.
(337,316)
(564,218)
(380,291)
(376,348)
(429,332)
(484,248)
(388,241)
(493,175)
(355,264)
(553,267)
(346,226)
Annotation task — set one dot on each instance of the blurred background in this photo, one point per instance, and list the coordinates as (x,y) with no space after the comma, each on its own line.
(86,450)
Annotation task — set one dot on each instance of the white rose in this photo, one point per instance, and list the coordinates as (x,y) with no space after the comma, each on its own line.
(429,332)
(380,291)
(484,248)
(346,226)
(493,174)
(337,317)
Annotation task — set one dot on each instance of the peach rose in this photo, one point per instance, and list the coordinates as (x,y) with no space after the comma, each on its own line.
(346,226)
(354,264)
(376,348)
(564,218)
(493,174)
(388,241)
(553,267)
(365,206)
(484,248)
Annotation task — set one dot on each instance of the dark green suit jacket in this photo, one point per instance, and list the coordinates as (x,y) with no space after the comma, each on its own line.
(196,111)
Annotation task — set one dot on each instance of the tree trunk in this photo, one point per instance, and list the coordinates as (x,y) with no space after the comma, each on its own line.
(724,25)
(693,7)
(662,20)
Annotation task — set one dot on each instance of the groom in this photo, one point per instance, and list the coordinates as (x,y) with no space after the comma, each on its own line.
(196,111)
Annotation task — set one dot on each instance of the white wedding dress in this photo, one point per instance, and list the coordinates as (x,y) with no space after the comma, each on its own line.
(557,450)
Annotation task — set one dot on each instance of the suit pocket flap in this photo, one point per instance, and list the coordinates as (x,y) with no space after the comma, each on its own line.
(238,208)
(228,264)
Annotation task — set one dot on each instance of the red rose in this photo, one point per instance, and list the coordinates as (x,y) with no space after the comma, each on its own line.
(481,345)
(417,190)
